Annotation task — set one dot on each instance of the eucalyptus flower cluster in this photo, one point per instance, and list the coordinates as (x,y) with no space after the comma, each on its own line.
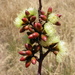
(40,32)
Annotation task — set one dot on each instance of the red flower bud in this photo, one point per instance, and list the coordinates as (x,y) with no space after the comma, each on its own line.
(23,58)
(35,34)
(27,64)
(25,20)
(31,30)
(22,30)
(58,23)
(55,52)
(33,60)
(27,13)
(33,18)
(35,25)
(59,15)
(31,36)
(42,12)
(38,26)
(22,52)
(28,46)
(26,27)
(43,17)
(28,52)
(37,48)
(49,10)
(44,38)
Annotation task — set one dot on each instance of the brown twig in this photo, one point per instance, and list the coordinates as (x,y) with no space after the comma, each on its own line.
(40,7)
(46,53)
(41,53)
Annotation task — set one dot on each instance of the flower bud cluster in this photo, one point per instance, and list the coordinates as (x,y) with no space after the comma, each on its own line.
(28,54)
(41,33)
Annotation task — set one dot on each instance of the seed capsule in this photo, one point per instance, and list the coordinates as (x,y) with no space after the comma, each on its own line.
(43,37)
(33,60)
(27,13)
(49,10)
(33,18)
(23,58)
(25,20)
(28,46)
(27,64)
(42,12)
(43,17)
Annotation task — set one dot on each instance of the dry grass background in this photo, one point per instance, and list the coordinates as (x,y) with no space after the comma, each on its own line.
(11,40)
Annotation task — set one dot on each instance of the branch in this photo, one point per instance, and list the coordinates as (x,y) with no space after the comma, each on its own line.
(44,55)
(49,49)
(40,62)
(41,53)
(40,7)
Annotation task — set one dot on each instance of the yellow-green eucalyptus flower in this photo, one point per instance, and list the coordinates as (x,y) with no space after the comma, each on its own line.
(18,22)
(61,46)
(49,29)
(21,14)
(59,57)
(53,18)
(32,11)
